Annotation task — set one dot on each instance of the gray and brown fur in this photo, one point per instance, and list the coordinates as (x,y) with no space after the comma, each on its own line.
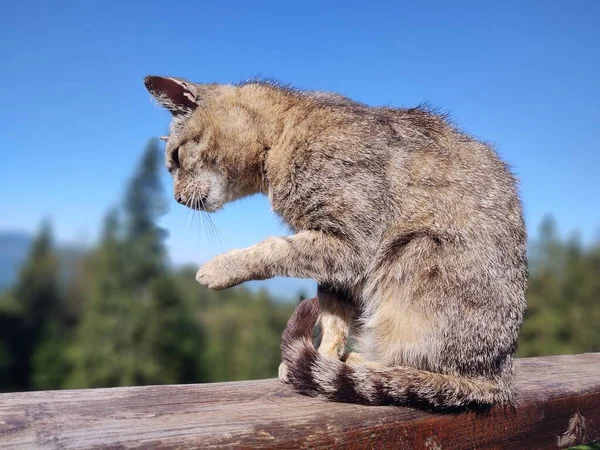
(412,229)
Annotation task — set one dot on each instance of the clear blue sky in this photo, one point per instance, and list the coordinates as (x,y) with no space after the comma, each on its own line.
(522,75)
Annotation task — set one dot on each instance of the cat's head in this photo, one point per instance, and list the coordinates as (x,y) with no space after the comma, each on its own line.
(216,147)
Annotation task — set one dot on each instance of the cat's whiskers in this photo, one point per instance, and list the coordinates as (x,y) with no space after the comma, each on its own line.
(198,213)
(194,206)
(211,229)
(216,231)
(187,205)
(203,216)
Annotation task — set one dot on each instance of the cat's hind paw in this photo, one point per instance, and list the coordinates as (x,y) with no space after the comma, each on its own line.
(283,373)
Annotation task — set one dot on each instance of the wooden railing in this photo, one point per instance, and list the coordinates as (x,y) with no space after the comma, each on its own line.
(559,406)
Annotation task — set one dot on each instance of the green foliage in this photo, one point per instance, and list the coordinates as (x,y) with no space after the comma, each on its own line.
(591,446)
(37,288)
(50,362)
(245,338)
(34,316)
(563,296)
(9,337)
(243,329)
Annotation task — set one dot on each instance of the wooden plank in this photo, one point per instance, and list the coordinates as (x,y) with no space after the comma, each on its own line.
(559,405)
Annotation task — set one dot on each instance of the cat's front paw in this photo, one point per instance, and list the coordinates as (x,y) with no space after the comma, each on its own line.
(221,272)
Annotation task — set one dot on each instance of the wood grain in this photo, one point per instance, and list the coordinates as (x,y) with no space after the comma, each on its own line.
(559,406)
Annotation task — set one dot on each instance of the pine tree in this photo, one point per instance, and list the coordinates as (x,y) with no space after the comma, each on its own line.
(136,328)
(105,318)
(10,334)
(244,333)
(37,287)
(143,205)
(171,338)
(39,354)
(562,297)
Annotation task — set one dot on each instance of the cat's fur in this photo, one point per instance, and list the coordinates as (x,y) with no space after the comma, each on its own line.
(412,229)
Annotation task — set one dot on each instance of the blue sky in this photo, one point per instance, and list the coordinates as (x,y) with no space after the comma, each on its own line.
(75,116)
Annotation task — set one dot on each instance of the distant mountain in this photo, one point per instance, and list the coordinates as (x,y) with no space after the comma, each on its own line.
(14,248)
(13,251)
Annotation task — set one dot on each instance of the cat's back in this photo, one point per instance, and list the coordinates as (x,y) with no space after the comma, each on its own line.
(375,167)
(438,171)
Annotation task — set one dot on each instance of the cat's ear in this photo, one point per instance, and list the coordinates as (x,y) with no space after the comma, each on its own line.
(177,95)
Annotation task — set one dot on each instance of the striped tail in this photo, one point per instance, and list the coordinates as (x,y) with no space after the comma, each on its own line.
(313,374)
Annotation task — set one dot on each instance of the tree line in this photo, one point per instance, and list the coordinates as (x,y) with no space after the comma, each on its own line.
(125,317)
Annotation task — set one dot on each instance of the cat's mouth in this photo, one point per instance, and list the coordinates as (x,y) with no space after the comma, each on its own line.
(197,202)
(204,205)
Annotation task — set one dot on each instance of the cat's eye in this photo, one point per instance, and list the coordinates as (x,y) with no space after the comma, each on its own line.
(175,158)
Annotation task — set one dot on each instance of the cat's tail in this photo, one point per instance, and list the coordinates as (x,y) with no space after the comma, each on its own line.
(316,375)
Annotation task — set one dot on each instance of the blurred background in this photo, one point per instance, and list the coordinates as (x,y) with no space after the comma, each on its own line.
(97,261)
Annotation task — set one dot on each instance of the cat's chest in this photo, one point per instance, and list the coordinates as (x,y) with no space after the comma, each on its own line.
(300,205)
(292,214)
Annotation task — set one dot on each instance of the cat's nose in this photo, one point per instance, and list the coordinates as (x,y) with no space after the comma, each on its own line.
(180,198)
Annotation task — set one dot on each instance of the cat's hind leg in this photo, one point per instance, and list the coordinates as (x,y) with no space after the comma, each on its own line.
(335,319)
(337,315)
(356,359)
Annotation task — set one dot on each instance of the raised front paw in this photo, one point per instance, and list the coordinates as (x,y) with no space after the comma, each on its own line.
(222,271)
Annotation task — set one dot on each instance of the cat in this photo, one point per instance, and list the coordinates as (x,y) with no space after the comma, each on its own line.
(412,229)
